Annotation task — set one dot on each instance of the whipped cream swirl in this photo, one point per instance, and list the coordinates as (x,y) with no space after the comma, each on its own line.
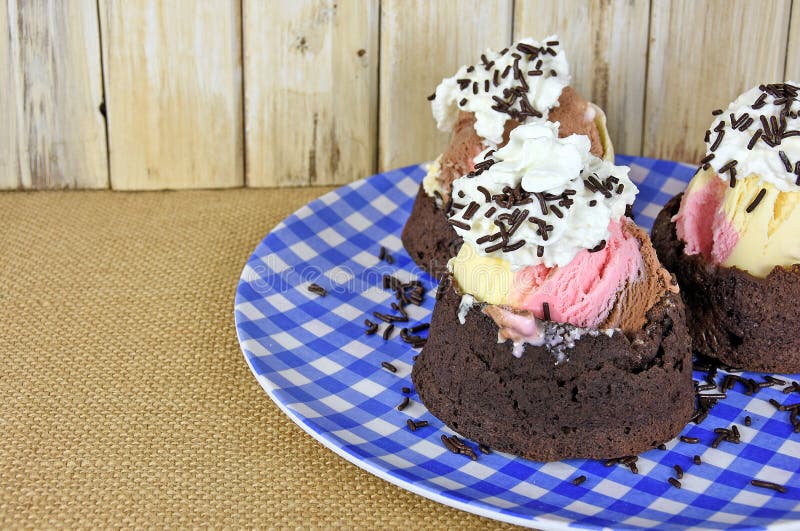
(759,133)
(540,199)
(522,82)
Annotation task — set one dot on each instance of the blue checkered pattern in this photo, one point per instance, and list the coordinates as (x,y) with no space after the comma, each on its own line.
(312,357)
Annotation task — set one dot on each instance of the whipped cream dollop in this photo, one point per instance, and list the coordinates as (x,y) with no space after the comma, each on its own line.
(759,133)
(540,199)
(522,82)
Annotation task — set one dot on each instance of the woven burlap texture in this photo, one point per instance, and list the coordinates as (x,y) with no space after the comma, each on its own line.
(124,397)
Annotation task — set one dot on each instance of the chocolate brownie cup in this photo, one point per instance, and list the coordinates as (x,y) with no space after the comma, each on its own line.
(467,105)
(614,396)
(732,237)
(740,319)
(428,237)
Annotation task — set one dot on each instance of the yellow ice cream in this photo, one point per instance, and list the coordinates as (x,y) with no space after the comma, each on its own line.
(770,234)
(755,241)
(486,278)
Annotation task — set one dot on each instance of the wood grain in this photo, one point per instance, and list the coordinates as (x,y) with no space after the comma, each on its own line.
(54,67)
(173,82)
(9,72)
(608,64)
(421,43)
(793,46)
(311,91)
(703,55)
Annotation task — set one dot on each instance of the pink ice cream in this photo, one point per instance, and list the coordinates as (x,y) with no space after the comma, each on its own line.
(609,288)
(583,292)
(702,224)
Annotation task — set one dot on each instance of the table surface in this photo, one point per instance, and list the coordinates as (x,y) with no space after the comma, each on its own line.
(105,299)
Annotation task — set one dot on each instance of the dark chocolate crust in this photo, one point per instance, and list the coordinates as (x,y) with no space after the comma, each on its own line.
(614,396)
(741,320)
(428,237)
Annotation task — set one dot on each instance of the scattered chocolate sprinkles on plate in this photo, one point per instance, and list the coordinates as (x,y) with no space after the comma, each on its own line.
(414,425)
(388,366)
(768,485)
(403,404)
(578,480)
(674,482)
(317,289)
(697,460)
(457,446)
(371,327)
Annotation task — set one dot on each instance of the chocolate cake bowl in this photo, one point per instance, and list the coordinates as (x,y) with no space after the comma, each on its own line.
(733,237)
(480,105)
(557,333)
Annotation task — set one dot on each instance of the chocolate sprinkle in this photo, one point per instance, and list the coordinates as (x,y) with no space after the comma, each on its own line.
(748,421)
(752,206)
(319,290)
(485,193)
(459,224)
(546,311)
(578,480)
(371,327)
(678,471)
(785,160)
(388,366)
(388,332)
(599,247)
(403,404)
(689,440)
(697,460)
(674,482)
(754,139)
(448,444)
(405,390)
(768,485)
(470,210)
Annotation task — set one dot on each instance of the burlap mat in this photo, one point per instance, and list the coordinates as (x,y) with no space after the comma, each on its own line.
(124,397)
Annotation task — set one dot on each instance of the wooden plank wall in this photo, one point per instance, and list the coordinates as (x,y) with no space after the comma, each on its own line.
(422,42)
(56,136)
(698,65)
(311,90)
(222,93)
(173,82)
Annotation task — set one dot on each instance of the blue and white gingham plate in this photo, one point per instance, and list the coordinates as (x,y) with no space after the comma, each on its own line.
(311,356)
